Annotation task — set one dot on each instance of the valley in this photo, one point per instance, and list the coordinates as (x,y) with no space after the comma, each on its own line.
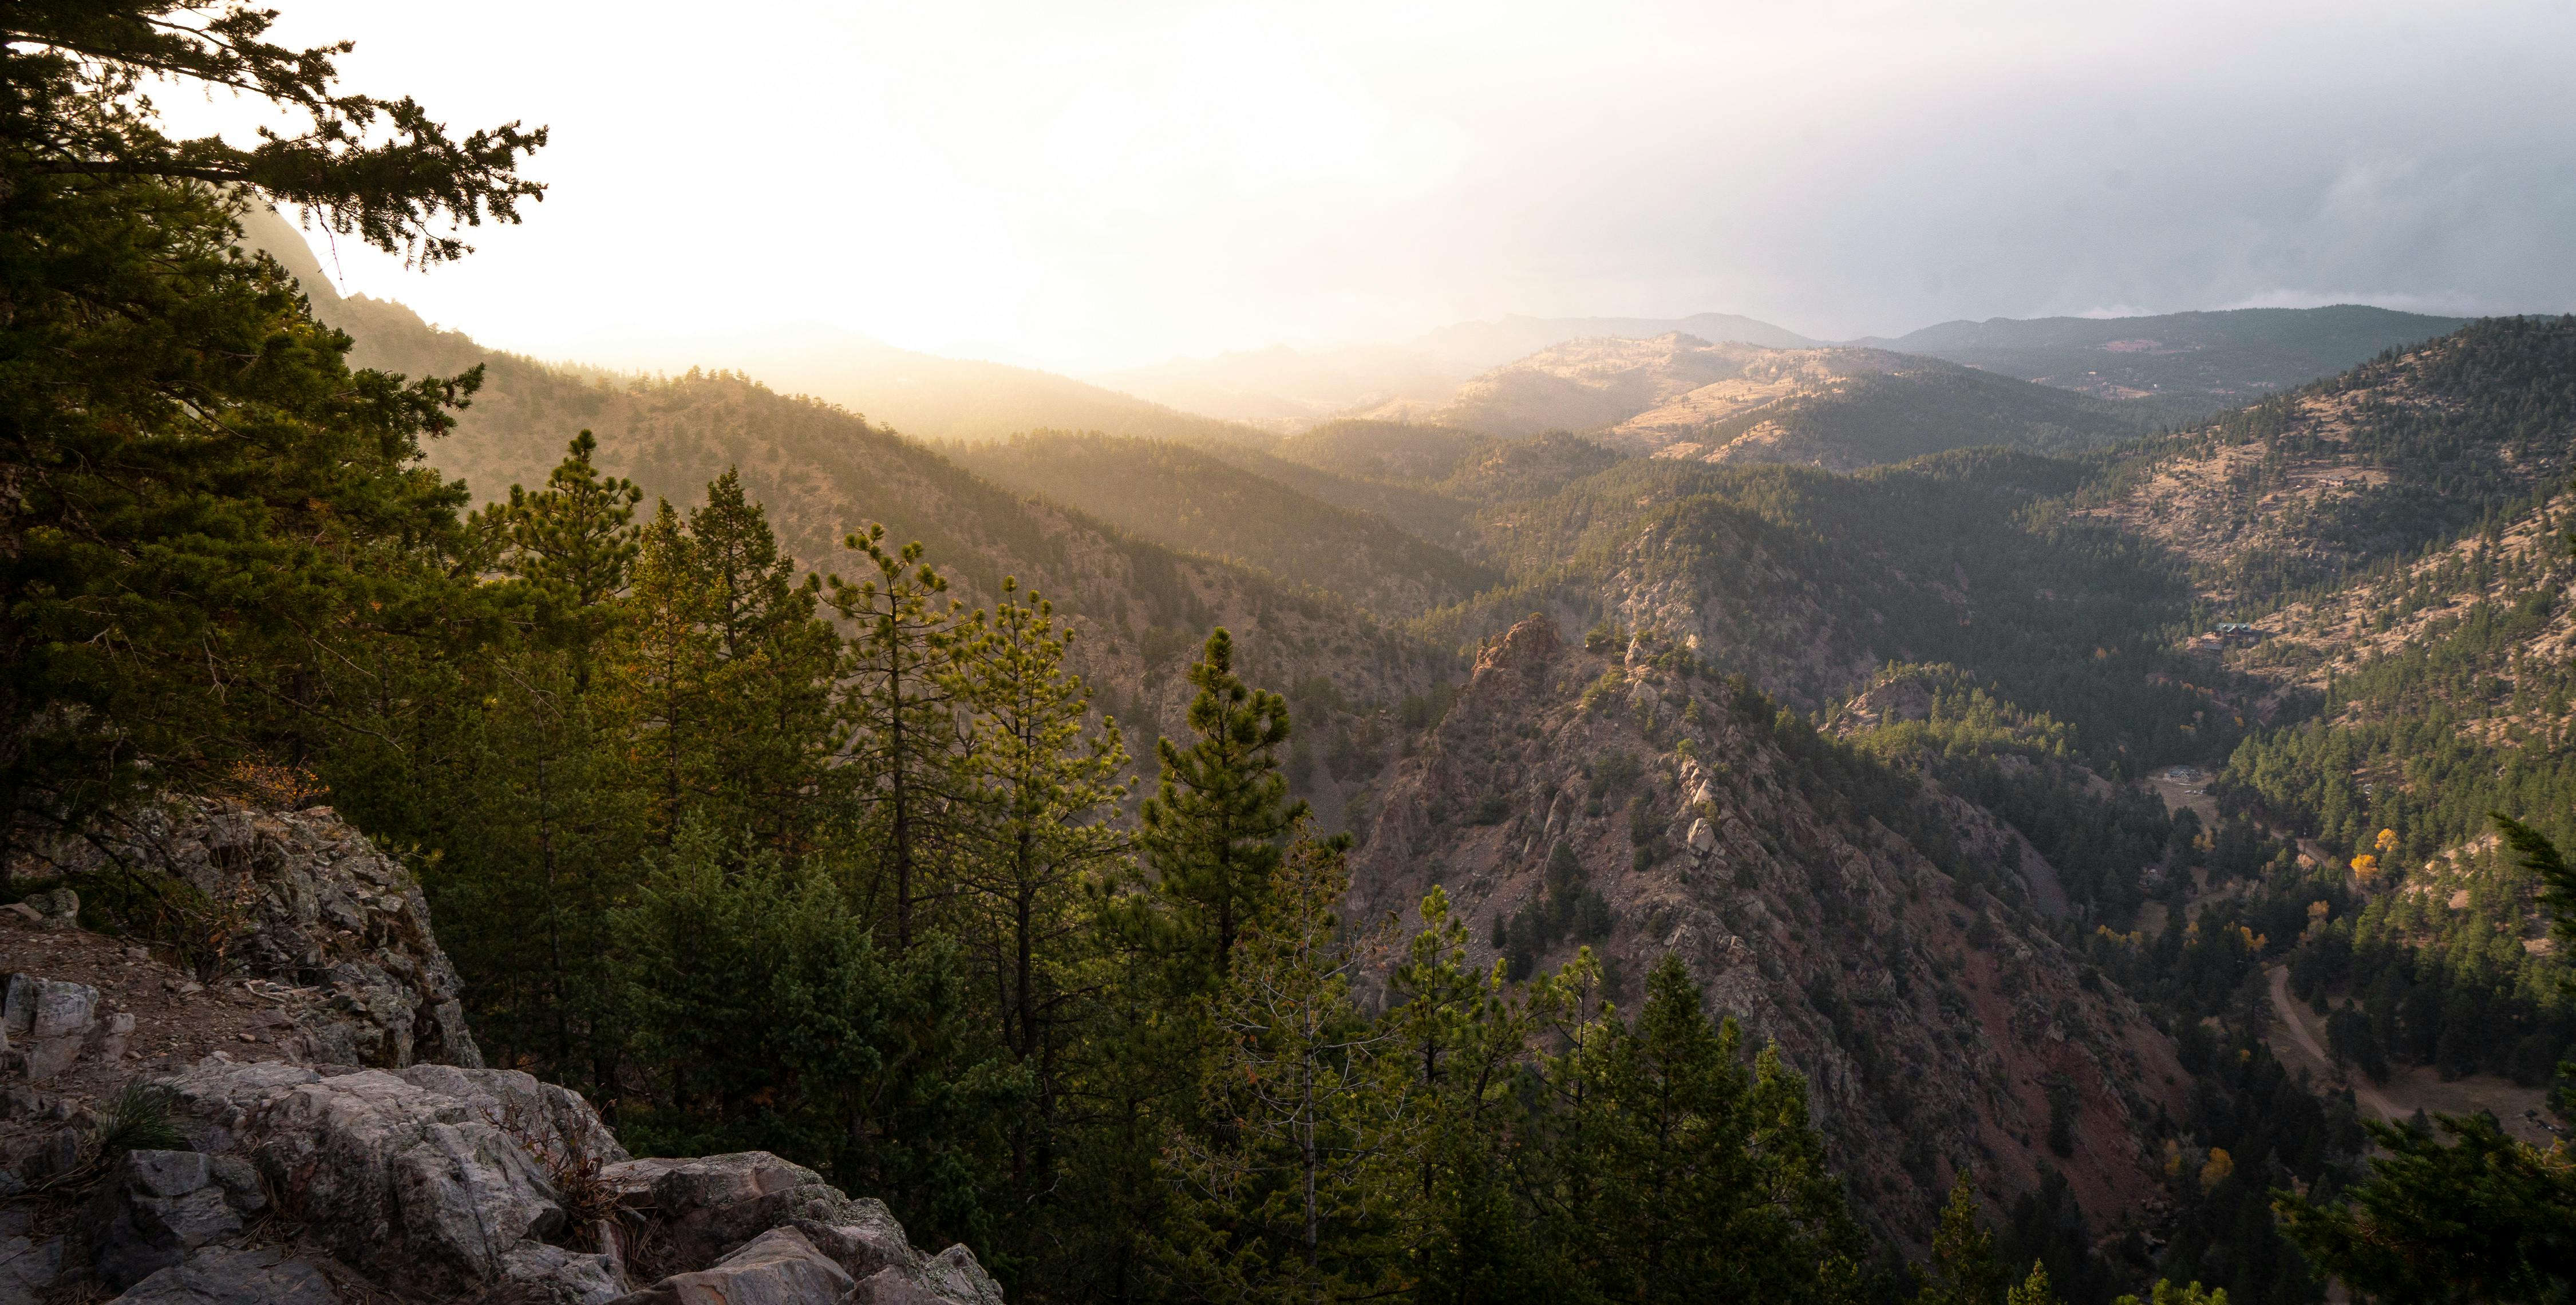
(1910,903)
(1468,808)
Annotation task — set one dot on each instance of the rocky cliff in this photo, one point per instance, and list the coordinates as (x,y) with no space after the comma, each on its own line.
(280,1103)
(1938,1023)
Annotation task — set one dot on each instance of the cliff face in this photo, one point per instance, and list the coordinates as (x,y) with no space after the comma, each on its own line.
(1938,1025)
(287,1107)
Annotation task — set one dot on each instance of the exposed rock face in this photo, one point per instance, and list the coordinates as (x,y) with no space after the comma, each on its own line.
(317,906)
(396,1179)
(1937,1024)
(440,1182)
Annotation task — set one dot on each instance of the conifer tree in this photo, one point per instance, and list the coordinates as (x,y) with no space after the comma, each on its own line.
(1043,795)
(1722,1193)
(545,823)
(733,669)
(1460,1038)
(899,709)
(1213,830)
(1286,1185)
(1964,1269)
(664,665)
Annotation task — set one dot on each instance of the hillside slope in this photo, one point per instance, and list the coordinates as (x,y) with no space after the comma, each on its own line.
(1680,396)
(1287,389)
(821,472)
(2407,450)
(1198,502)
(1912,982)
(2209,360)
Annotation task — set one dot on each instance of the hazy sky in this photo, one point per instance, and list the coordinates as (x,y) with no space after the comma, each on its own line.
(1081,187)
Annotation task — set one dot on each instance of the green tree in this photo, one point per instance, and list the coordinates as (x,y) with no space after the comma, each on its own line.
(2481,1217)
(732,671)
(2167,1292)
(1286,1183)
(207,512)
(1044,795)
(72,109)
(1709,1184)
(543,818)
(1213,830)
(1461,1040)
(770,1018)
(1964,1269)
(899,707)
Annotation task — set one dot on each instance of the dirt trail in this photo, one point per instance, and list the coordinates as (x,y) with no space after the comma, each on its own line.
(2408,1089)
(2286,1010)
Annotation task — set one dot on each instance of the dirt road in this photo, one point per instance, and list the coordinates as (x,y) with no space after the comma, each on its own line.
(2298,1038)
(2286,1010)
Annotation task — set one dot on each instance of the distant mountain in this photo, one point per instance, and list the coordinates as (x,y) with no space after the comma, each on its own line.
(1478,345)
(2195,363)
(1285,388)
(1188,499)
(2359,470)
(1681,396)
(920,394)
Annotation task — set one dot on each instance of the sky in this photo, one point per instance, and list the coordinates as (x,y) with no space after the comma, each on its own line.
(1084,187)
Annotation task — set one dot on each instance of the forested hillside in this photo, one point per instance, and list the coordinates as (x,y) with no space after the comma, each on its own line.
(1197,502)
(1681,396)
(2181,365)
(2311,487)
(1467,862)
(824,473)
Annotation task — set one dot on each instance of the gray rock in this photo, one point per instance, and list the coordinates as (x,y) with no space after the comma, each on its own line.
(779,1267)
(327,910)
(419,1179)
(155,1210)
(48,1008)
(953,1276)
(55,1154)
(239,1181)
(27,1268)
(224,1276)
(711,1204)
(561,1277)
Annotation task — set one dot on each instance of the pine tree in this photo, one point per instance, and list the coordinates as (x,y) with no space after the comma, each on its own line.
(1287,1183)
(899,708)
(545,821)
(1213,830)
(1964,1269)
(1043,796)
(1461,1039)
(664,674)
(1721,1190)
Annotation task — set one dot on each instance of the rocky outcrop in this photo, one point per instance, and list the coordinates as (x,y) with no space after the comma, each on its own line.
(320,1153)
(1939,1025)
(440,1183)
(303,899)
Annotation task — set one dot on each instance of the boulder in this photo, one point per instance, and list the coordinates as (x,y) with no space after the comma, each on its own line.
(779,1267)
(49,1022)
(54,908)
(155,1209)
(429,1183)
(708,1205)
(27,1267)
(325,910)
(227,1276)
(1702,839)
